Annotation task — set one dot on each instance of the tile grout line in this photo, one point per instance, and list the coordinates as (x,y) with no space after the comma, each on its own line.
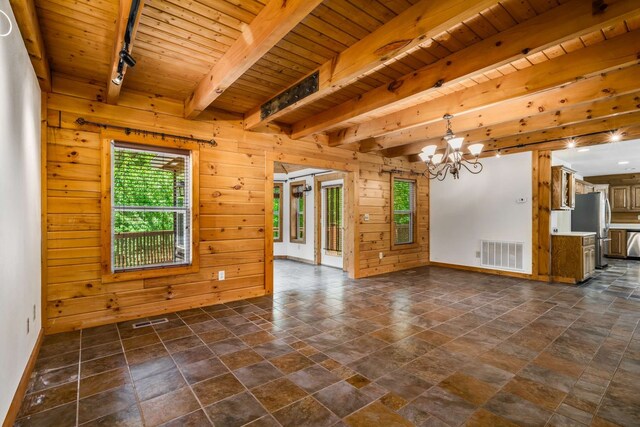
(78,384)
(133,384)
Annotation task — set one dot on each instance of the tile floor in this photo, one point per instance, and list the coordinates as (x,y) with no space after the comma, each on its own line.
(428,347)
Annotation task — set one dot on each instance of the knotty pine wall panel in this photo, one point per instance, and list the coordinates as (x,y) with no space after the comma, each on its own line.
(232,199)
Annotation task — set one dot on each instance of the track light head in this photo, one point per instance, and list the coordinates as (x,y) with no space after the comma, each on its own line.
(127,58)
(117,80)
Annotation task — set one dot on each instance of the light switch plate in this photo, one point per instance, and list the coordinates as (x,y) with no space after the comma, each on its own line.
(221,275)
(366,217)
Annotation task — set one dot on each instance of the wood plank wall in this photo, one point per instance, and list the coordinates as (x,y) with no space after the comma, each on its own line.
(232,210)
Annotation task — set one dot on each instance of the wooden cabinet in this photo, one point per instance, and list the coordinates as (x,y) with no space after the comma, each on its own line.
(563,188)
(635,197)
(573,257)
(617,244)
(620,198)
(583,187)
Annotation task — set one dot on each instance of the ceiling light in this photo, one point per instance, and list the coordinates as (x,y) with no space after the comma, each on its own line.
(117,80)
(583,150)
(571,143)
(623,162)
(4,17)
(452,160)
(615,137)
(498,154)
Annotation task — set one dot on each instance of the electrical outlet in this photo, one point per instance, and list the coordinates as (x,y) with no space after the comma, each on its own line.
(27,325)
(366,217)
(638,216)
(380,255)
(221,275)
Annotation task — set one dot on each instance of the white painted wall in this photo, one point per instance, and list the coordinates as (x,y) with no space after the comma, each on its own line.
(482,207)
(19,210)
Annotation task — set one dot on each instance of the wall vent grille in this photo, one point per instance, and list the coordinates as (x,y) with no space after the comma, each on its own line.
(502,255)
(146,323)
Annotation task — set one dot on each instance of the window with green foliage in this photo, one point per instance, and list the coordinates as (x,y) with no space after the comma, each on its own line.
(150,207)
(403,211)
(297,208)
(277,213)
(333,218)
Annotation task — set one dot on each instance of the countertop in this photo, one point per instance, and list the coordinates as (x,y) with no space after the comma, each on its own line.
(625,227)
(574,233)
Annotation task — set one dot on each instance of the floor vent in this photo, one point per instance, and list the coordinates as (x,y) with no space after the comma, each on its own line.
(503,255)
(149,323)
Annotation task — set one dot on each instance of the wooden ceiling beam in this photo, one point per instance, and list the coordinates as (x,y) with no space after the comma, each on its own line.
(273,22)
(531,36)
(113,90)
(540,123)
(27,19)
(602,86)
(588,132)
(414,26)
(617,52)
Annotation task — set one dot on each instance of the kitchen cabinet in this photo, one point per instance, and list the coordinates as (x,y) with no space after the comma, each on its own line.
(635,197)
(573,256)
(563,188)
(620,198)
(583,187)
(618,244)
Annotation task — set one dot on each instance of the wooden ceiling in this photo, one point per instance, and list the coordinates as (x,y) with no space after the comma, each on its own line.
(513,72)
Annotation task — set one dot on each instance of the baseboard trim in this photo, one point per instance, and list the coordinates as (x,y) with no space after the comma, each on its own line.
(292,258)
(14,408)
(483,270)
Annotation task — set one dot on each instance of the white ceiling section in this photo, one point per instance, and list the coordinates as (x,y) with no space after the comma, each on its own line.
(603,159)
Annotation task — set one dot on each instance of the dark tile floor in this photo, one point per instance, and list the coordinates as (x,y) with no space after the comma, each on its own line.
(428,347)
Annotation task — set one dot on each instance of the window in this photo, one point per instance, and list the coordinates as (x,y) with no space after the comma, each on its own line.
(297,208)
(404,211)
(277,213)
(150,207)
(333,218)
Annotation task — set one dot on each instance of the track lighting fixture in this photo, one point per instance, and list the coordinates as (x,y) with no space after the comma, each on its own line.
(117,80)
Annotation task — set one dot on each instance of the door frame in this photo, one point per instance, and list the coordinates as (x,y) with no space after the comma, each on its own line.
(317,184)
(351,249)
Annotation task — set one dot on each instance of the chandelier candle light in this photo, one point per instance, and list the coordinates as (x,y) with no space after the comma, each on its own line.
(452,160)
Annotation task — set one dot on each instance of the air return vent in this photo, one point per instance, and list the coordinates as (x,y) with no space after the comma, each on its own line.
(502,255)
(146,323)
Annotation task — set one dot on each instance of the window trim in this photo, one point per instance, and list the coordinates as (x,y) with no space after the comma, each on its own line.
(414,243)
(107,137)
(280,213)
(292,239)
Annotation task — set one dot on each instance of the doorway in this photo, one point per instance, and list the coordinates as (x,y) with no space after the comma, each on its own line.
(308,213)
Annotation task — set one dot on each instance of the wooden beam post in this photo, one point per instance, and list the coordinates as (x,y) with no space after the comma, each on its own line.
(412,27)
(529,37)
(27,19)
(542,251)
(273,22)
(113,90)
(611,54)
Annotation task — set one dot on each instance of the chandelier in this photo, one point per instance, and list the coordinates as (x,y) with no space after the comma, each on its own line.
(452,160)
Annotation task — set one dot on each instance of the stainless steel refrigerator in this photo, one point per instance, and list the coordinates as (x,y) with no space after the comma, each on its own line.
(592,213)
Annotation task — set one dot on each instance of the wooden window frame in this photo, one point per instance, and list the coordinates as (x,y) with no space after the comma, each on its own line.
(108,275)
(292,199)
(414,212)
(280,213)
